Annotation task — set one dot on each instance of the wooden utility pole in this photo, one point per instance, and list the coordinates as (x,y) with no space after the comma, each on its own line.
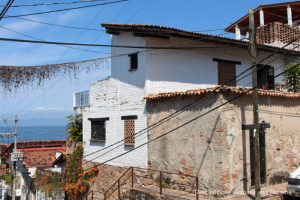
(252,43)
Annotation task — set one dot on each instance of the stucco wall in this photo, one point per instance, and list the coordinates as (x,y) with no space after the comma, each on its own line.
(213,147)
(158,71)
(179,70)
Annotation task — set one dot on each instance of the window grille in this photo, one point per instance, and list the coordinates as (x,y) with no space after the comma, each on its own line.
(226,74)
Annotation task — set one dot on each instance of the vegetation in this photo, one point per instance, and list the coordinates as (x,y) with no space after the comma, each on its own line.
(77,180)
(8,178)
(49,182)
(293,77)
(74,127)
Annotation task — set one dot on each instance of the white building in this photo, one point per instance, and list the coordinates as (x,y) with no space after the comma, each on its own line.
(168,60)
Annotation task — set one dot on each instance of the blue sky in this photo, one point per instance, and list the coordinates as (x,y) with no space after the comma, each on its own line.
(50,104)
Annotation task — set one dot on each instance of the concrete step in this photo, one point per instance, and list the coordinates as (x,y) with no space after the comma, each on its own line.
(152,193)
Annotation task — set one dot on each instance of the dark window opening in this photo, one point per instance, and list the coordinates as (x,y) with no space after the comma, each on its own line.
(265,77)
(98,130)
(133,61)
(226,74)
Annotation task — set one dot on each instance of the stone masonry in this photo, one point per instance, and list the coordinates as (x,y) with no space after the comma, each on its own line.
(215,148)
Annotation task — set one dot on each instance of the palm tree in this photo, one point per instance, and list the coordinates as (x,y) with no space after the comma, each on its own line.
(74,127)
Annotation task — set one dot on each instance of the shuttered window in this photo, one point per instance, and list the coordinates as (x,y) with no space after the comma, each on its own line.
(226,71)
(129,130)
(226,74)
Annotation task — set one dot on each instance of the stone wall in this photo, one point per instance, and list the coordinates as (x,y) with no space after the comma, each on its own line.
(215,148)
(109,174)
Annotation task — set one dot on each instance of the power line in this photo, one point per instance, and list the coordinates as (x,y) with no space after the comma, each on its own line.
(65,9)
(54,3)
(5,9)
(60,25)
(186,123)
(69,47)
(107,45)
(83,31)
(103,30)
(189,105)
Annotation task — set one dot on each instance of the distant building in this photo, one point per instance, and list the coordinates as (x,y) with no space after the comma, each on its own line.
(37,155)
(175,69)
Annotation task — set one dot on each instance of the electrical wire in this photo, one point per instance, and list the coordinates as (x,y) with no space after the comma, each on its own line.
(69,47)
(194,103)
(186,123)
(108,45)
(64,9)
(5,9)
(54,3)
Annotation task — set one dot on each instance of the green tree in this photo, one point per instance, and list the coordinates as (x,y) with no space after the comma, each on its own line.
(74,127)
(293,77)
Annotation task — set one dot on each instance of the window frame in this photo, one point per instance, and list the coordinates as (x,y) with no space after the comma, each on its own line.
(227,62)
(99,138)
(129,136)
(133,61)
(265,72)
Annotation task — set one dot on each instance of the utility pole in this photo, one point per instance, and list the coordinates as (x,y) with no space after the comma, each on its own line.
(15,156)
(15,162)
(256,132)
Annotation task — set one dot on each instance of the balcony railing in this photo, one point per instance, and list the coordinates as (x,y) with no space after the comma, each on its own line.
(81,99)
(278,34)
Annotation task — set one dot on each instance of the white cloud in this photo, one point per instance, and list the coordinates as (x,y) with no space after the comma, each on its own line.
(22,26)
(48,109)
(67,16)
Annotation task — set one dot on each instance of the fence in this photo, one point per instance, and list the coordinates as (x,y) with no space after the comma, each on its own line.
(162,179)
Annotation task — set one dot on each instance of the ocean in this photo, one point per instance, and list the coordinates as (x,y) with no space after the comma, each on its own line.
(33,133)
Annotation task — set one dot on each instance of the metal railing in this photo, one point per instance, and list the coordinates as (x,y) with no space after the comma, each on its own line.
(130,174)
(81,99)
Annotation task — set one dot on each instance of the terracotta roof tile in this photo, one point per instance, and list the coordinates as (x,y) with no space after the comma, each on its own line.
(42,158)
(218,89)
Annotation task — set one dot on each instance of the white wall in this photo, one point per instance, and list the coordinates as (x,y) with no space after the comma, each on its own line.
(180,70)
(159,71)
(114,98)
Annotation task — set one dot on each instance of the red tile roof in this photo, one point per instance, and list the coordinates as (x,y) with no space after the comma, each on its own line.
(40,154)
(41,157)
(218,89)
(36,144)
(174,32)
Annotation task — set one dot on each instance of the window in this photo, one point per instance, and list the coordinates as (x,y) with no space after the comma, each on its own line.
(129,130)
(226,72)
(98,131)
(133,61)
(265,77)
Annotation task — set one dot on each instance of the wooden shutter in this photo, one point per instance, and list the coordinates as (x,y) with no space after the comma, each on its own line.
(129,132)
(226,74)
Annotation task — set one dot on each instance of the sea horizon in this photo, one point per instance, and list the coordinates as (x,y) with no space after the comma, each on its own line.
(36,133)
